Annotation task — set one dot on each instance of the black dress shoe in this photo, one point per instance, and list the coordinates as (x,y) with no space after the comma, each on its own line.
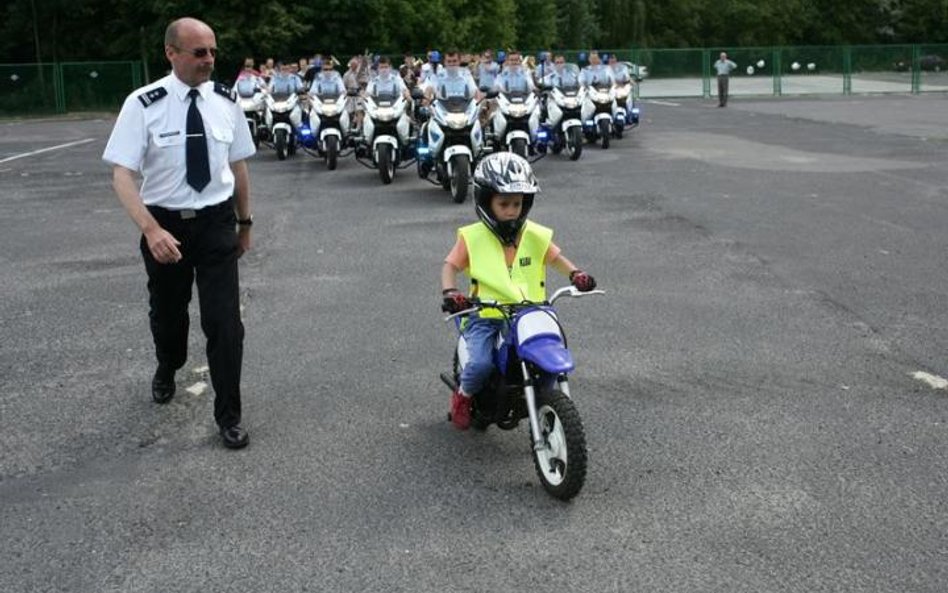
(235,437)
(162,385)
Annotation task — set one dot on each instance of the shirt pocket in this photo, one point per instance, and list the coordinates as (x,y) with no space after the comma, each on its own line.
(169,147)
(222,139)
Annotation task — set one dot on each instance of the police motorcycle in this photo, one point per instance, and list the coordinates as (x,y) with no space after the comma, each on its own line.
(599,108)
(627,112)
(516,121)
(530,381)
(452,139)
(328,117)
(564,104)
(386,131)
(253,103)
(284,116)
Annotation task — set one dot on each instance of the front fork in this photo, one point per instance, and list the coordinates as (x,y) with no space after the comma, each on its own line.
(530,395)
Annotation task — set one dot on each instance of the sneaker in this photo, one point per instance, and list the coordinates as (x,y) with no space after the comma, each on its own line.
(460,411)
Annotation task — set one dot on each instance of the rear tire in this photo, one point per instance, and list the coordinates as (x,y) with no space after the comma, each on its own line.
(332,151)
(618,131)
(386,163)
(460,174)
(561,462)
(605,132)
(518,146)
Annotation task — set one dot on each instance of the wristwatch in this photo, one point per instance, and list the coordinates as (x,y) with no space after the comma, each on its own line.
(246,221)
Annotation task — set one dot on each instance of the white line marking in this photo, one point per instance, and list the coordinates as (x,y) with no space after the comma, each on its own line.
(199,370)
(42,150)
(657,102)
(934,381)
(197,389)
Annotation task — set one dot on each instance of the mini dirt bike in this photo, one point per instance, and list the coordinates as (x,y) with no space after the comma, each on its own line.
(531,362)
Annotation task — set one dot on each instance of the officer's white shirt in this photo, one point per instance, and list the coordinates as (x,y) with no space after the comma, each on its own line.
(151,140)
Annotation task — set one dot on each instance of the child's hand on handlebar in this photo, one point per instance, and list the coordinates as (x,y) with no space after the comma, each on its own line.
(582,281)
(454,301)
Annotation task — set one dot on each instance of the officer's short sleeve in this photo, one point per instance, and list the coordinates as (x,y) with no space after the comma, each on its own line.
(242,146)
(129,139)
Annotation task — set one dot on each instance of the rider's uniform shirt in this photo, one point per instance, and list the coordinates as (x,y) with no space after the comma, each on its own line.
(330,85)
(451,85)
(487,75)
(149,138)
(620,73)
(511,81)
(506,273)
(595,75)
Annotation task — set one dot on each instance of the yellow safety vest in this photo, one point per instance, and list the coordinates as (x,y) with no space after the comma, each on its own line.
(492,280)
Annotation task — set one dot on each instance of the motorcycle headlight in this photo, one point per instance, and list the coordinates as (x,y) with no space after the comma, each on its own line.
(518,110)
(570,102)
(622,93)
(456,120)
(603,97)
(281,106)
(385,113)
(328,109)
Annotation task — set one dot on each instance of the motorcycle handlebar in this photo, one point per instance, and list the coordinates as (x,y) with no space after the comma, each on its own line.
(570,291)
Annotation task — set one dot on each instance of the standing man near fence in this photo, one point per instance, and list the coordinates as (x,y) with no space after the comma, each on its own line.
(723,67)
(187,137)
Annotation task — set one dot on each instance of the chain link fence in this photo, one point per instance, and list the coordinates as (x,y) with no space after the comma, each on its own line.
(38,89)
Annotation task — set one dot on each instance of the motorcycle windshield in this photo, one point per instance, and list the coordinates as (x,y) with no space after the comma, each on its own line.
(516,82)
(246,88)
(454,105)
(327,90)
(282,86)
(280,96)
(385,96)
(453,87)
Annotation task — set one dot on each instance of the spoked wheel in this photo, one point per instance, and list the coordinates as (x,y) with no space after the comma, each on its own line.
(561,460)
(332,152)
(574,143)
(279,142)
(460,173)
(386,163)
(605,132)
(518,146)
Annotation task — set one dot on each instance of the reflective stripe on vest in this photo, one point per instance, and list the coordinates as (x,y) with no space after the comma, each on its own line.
(490,278)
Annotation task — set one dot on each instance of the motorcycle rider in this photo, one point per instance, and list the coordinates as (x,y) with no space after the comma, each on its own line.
(453,81)
(284,82)
(514,77)
(386,80)
(506,256)
(596,73)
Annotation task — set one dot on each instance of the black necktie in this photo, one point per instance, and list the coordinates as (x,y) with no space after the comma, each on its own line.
(195,148)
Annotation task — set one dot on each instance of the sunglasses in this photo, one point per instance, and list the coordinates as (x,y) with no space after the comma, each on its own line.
(200,52)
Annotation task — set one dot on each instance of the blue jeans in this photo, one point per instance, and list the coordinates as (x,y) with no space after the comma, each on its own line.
(480,335)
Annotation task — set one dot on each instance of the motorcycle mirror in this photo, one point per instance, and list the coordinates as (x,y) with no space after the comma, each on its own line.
(492,94)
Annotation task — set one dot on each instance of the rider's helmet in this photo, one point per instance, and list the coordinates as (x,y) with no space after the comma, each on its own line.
(503,173)
(434,56)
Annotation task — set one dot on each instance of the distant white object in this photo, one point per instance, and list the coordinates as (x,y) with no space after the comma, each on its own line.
(795,66)
(811,66)
(761,63)
(94,74)
(750,70)
(14,77)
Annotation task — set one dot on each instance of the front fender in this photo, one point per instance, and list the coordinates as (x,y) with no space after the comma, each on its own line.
(547,352)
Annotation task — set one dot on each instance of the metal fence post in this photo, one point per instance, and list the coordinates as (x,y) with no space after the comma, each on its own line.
(706,73)
(778,76)
(59,88)
(847,70)
(916,69)
(136,74)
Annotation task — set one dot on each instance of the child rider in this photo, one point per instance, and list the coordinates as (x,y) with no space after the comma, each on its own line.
(505,256)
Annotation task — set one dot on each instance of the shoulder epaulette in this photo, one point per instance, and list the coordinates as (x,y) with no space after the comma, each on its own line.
(153,96)
(222,89)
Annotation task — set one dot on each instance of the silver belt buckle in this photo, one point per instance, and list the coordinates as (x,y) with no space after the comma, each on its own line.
(188,214)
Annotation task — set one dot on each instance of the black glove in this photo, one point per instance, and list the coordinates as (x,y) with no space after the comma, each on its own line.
(582,281)
(454,301)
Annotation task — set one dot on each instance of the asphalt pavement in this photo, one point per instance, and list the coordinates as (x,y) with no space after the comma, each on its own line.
(776,281)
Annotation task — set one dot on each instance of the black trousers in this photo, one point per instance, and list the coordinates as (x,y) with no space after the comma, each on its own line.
(723,80)
(209,249)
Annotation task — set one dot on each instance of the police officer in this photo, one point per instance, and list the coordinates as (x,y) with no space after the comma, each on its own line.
(187,137)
